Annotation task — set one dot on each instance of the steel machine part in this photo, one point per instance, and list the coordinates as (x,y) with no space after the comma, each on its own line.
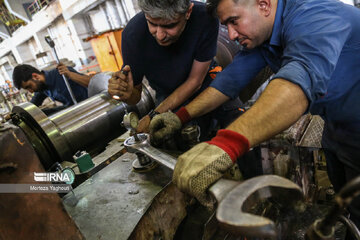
(52,45)
(28,215)
(357,3)
(324,229)
(232,210)
(89,126)
(234,198)
(143,162)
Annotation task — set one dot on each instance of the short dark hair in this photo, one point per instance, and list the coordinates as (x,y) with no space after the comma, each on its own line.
(211,6)
(23,73)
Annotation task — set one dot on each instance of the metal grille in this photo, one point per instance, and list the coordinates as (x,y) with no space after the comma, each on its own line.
(37,5)
(313,133)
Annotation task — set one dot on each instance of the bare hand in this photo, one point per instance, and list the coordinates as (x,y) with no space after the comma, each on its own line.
(121,85)
(143,126)
(63,70)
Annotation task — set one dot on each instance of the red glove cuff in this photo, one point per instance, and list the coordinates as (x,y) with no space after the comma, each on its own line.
(184,115)
(231,142)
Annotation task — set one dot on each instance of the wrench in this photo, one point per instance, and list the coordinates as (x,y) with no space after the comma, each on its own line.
(232,210)
(233,197)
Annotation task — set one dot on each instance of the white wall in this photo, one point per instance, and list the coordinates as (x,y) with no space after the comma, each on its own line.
(351,2)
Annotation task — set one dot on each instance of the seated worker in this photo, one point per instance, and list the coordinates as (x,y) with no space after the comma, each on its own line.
(313,48)
(172,43)
(49,84)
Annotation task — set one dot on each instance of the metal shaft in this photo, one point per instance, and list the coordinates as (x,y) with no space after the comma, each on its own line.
(89,126)
(65,80)
(52,45)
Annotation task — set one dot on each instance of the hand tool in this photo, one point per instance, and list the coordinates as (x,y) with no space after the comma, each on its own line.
(52,45)
(233,197)
(232,212)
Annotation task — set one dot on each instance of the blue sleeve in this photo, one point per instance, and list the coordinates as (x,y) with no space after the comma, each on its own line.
(130,56)
(38,98)
(237,75)
(206,47)
(311,53)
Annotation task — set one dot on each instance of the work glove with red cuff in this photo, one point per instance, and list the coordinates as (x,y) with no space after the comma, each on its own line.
(197,169)
(165,125)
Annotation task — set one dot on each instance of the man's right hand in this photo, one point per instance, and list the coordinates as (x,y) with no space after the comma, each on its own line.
(121,84)
(164,126)
(63,70)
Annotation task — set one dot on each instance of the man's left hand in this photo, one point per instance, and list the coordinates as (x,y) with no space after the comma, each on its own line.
(197,169)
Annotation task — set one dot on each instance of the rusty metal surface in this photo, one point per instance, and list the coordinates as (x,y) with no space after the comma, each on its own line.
(110,203)
(164,216)
(28,215)
(306,132)
(294,133)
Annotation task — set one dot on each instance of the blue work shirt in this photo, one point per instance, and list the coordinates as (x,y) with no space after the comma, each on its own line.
(315,44)
(56,89)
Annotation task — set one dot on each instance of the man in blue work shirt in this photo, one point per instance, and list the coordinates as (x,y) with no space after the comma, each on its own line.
(171,43)
(49,84)
(314,49)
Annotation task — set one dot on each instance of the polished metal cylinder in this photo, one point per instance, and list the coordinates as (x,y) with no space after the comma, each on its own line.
(88,126)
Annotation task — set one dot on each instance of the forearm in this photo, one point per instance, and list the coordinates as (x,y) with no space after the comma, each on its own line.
(279,106)
(179,96)
(83,80)
(207,101)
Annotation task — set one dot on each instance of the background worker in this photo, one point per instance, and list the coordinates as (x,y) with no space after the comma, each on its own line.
(49,84)
(313,48)
(95,83)
(172,43)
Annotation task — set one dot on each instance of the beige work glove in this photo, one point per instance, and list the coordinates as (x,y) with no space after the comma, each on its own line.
(163,127)
(197,169)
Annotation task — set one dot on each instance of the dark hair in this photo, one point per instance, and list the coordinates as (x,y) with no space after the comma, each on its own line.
(167,9)
(211,6)
(23,73)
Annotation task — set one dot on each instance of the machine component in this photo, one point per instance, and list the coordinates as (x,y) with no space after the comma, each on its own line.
(323,229)
(232,210)
(357,3)
(52,45)
(143,162)
(28,215)
(88,126)
(191,134)
(142,145)
(226,48)
(130,121)
(110,203)
(84,161)
(232,195)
